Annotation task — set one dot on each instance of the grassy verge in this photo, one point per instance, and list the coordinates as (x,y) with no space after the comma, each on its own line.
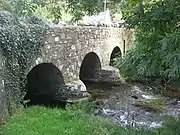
(46,121)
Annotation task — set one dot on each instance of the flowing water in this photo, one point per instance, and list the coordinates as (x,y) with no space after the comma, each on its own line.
(116,103)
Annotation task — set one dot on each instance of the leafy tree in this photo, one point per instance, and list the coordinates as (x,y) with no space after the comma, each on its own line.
(157,52)
(23,8)
(53,9)
(79,8)
(19,8)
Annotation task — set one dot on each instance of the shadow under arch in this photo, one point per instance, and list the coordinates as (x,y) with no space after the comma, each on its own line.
(43,82)
(115,54)
(90,64)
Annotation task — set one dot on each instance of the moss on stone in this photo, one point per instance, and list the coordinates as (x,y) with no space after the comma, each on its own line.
(156,105)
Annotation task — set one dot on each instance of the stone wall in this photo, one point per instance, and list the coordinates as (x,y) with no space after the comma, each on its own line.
(66,47)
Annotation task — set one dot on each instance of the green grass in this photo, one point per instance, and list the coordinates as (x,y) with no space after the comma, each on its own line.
(46,121)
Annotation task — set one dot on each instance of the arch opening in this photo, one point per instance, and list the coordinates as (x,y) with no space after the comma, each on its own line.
(116,53)
(90,64)
(43,82)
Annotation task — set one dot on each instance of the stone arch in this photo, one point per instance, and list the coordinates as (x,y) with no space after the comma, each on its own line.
(43,83)
(115,53)
(90,64)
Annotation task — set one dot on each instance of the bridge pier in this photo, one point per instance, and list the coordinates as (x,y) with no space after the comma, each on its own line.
(105,76)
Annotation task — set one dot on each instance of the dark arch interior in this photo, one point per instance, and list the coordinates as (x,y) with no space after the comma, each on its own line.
(43,82)
(115,53)
(89,65)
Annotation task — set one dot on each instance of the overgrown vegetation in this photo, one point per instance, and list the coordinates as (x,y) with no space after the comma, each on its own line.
(21,43)
(157,52)
(59,9)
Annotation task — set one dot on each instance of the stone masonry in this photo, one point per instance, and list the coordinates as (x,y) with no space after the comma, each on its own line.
(66,47)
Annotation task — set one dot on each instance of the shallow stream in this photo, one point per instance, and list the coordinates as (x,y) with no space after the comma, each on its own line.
(117,103)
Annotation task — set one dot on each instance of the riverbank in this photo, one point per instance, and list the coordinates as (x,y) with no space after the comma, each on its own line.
(46,121)
(134,104)
(125,109)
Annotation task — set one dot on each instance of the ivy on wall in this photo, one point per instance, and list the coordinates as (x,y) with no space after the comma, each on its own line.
(20,42)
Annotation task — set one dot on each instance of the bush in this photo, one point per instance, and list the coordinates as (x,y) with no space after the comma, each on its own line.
(157,52)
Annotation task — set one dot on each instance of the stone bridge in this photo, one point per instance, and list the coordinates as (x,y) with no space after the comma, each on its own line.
(76,51)
(73,54)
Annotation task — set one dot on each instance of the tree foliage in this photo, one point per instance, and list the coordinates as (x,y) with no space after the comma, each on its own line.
(18,8)
(157,52)
(79,8)
(23,8)
(53,9)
